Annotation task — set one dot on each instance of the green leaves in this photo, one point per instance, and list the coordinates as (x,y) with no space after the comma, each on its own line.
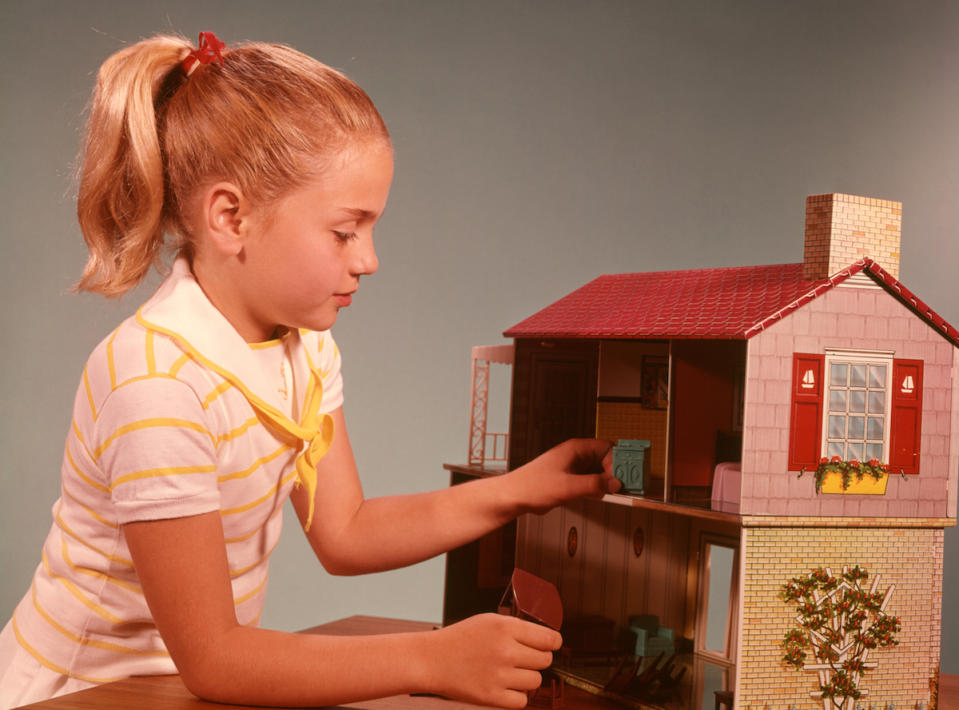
(837,622)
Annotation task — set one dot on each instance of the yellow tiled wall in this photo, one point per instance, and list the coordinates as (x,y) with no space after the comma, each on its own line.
(629,420)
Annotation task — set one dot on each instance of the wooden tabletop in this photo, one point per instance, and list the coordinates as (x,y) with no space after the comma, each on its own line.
(168,692)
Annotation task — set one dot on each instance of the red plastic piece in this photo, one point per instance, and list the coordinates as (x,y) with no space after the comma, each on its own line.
(533,598)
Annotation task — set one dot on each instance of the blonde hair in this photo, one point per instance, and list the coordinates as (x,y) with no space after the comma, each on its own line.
(265,119)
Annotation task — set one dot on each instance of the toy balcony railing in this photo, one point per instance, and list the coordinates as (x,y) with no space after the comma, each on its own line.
(486,448)
(497,447)
(492,453)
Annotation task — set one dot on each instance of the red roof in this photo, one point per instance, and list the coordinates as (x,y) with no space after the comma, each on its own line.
(728,303)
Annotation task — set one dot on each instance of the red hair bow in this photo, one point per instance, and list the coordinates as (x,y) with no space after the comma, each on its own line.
(208,52)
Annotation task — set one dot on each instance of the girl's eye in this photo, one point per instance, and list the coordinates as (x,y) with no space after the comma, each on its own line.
(344,236)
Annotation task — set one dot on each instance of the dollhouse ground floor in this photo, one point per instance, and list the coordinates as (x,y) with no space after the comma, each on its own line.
(673,606)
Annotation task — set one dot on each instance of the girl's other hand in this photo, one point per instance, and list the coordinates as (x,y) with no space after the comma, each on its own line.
(492,659)
(574,469)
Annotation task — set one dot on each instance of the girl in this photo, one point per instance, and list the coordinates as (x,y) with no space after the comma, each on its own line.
(197,418)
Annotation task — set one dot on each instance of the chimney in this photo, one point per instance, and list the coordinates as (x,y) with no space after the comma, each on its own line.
(842,229)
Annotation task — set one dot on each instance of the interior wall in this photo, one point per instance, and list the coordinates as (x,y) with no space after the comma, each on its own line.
(622,412)
(704,381)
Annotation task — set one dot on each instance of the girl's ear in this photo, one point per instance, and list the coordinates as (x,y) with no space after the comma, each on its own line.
(224,209)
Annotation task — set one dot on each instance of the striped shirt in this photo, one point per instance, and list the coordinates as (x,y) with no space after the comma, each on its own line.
(168,422)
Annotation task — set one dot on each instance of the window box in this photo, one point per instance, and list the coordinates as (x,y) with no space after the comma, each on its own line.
(867,485)
(851,477)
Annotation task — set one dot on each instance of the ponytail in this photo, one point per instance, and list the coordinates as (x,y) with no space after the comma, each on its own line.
(264,117)
(121,194)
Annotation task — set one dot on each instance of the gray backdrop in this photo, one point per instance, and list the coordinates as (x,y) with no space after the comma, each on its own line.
(538,145)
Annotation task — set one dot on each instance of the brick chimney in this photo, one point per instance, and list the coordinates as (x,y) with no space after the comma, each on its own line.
(842,229)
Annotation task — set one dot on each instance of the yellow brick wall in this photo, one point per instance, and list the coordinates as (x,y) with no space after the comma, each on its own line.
(909,558)
(630,420)
(842,229)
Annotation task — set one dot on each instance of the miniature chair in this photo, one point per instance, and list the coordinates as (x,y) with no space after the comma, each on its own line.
(651,639)
(724,697)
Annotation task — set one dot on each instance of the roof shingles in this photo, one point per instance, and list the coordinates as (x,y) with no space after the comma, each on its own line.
(723,303)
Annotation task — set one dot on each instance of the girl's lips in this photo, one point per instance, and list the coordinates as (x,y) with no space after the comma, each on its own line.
(343,299)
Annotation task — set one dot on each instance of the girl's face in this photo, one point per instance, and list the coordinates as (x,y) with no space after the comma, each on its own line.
(306,254)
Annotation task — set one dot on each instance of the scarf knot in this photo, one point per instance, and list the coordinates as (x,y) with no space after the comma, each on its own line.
(316,431)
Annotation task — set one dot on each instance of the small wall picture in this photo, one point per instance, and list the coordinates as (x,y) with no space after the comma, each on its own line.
(655,382)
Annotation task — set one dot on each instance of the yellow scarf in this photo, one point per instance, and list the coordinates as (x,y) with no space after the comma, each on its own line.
(315,430)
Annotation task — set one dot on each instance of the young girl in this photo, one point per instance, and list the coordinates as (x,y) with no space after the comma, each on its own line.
(198,417)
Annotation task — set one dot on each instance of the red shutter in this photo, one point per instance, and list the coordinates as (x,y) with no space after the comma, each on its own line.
(905,426)
(805,423)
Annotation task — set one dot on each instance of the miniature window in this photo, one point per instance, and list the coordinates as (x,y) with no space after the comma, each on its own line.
(858,406)
(857,416)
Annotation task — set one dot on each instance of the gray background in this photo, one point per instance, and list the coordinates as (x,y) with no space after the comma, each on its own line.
(538,145)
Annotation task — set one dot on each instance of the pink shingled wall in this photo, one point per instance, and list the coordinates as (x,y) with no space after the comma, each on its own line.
(862,318)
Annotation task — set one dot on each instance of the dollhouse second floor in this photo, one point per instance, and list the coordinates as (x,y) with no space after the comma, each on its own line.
(741,382)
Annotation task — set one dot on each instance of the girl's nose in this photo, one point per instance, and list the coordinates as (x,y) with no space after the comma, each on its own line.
(366,261)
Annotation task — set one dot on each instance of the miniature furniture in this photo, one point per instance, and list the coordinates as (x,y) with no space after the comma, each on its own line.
(532,598)
(629,458)
(589,639)
(727,484)
(724,697)
(651,638)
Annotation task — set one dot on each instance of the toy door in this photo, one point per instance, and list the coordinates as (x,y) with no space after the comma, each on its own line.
(554,396)
(718,601)
(559,401)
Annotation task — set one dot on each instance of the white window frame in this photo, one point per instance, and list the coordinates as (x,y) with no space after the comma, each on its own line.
(854,357)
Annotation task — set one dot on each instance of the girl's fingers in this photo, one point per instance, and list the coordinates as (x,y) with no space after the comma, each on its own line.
(513,699)
(536,636)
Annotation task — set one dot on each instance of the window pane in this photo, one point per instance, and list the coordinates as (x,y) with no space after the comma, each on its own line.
(837,375)
(837,400)
(857,427)
(857,375)
(720,589)
(837,427)
(857,401)
(874,451)
(858,390)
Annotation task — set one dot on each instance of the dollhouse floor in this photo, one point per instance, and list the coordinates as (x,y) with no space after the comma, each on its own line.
(695,689)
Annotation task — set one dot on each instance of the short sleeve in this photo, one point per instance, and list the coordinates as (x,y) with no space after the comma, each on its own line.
(154,444)
(329,363)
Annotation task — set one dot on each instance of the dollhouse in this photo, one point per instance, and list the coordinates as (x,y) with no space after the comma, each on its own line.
(739,383)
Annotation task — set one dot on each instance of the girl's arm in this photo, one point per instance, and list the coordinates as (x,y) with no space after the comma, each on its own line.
(183,569)
(352,535)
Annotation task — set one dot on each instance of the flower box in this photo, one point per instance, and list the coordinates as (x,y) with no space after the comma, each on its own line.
(867,485)
(852,477)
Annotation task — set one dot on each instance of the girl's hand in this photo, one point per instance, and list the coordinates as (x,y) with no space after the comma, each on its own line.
(574,469)
(491,659)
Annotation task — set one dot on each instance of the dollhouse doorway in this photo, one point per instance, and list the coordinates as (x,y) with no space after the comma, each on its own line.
(718,598)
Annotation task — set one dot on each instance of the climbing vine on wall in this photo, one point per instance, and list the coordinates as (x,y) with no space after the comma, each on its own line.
(838,623)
